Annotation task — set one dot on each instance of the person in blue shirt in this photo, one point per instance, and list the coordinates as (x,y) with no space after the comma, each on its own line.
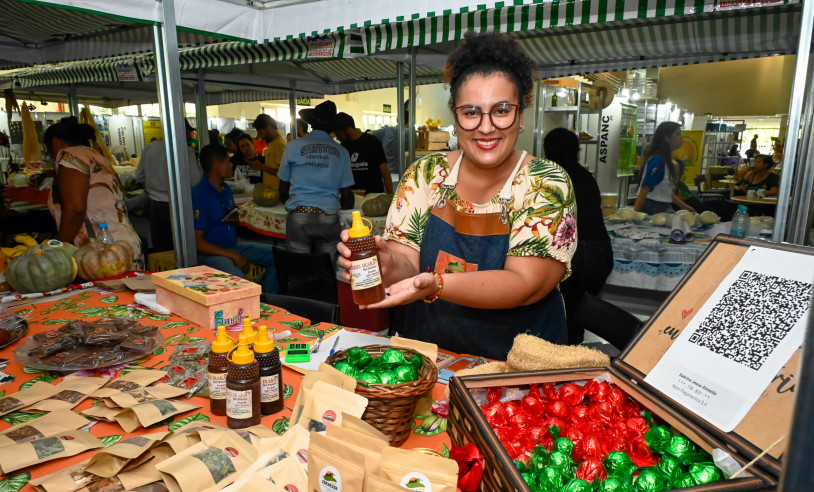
(315,180)
(215,218)
(660,176)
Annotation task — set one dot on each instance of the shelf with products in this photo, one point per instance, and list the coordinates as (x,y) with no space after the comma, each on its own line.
(719,138)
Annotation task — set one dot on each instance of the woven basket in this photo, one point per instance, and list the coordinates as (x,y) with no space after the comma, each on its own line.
(390,407)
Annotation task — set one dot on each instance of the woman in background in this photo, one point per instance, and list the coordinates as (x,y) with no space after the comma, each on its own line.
(656,193)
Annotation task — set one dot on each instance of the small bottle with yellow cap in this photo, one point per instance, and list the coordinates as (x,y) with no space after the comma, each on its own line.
(271,372)
(249,331)
(242,387)
(218,367)
(365,274)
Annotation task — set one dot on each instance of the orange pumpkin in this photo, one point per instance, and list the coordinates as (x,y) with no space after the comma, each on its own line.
(97,260)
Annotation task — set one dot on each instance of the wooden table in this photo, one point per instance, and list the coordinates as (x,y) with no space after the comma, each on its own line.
(429,431)
(755,201)
(270,221)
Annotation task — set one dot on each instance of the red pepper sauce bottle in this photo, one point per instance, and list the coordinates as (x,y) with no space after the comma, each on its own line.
(218,366)
(365,274)
(271,373)
(242,387)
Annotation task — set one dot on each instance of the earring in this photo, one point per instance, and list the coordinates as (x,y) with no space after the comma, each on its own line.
(522,129)
(454,132)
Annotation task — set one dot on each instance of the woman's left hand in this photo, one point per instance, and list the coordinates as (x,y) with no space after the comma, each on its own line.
(408,290)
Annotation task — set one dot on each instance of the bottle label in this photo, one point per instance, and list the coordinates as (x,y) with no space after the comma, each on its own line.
(365,274)
(239,404)
(269,388)
(217,386)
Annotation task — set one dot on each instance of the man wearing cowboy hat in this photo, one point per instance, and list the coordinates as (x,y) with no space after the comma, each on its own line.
(315,181)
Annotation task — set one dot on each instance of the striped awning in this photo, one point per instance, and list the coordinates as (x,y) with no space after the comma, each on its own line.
(102,70)
(358,70)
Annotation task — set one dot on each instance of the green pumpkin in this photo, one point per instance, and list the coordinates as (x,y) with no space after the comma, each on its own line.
(42,268)
(377,206)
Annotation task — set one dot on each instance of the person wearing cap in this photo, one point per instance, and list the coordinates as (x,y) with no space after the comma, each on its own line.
(315,181)
(367,159)
(153,173)
(266,127)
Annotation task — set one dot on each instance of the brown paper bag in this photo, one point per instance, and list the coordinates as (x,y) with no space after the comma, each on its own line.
(326,374)
(47,425)
(333,466)
(371,448)
(64,444)
(112,460)
(130,381)
(411,468)
(325,405)
(149,413)
(184,438)
(102,412)
(294,443)
(36,392)
(131,480)
(376,483)
(358,425)
(72,391)
(205,467)
(430,350)
(286,474)
(65,480)
(252,435)
(127,399)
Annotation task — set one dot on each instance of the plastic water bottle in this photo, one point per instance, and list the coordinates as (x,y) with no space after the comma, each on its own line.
(740,222)
(105,236)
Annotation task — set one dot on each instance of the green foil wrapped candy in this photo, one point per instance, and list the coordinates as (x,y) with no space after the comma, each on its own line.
(562,463)
(658,438)
(683,481)
(705,473)
(388,377)
(612,484)
(550,479)
(650,479)
(347,369)
(521,467)
(416,361)
(564,444)
(406,373)
(680,447)
(696,456)
(393,356)
(576,485)
(670,467)
(619,465)
(539,458)
(369,377)
(358,357)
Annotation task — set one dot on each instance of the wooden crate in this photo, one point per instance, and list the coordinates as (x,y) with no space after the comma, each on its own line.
(768,420)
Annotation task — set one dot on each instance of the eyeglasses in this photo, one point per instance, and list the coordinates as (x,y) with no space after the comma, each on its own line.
(502,116)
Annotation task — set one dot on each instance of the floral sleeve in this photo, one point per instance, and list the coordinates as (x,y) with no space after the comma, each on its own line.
(414,199)
(544,219)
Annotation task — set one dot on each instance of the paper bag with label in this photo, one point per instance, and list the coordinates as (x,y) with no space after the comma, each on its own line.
(66,480)
(293,444)
(285,473)
(205,467)
(17,401)
(30,453)
(72,391)
(331,462)
(130,381)
(326,404)
(252,435)
(367,446)
(101,412)
(184,438)
(410,468)
(47,425)
(358,425)
(112,460)
(149,413)
(130,480)
(376,483)
(127,399)
(326,374)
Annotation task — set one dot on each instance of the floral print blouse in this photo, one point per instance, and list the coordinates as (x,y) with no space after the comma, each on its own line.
(542,216)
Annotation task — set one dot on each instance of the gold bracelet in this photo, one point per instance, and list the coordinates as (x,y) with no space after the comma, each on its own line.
(434,297)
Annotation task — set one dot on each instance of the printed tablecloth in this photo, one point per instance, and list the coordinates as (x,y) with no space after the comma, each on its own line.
(429,430)
(270,221)
(652,264)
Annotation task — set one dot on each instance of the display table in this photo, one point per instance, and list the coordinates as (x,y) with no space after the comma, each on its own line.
(270,221)
(90,305)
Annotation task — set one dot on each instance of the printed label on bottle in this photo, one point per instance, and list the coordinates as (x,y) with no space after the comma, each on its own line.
(217,386)
(269,388)
(365,274)
(239,404)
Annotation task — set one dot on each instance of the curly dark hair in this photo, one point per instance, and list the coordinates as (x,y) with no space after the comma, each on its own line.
(486,54)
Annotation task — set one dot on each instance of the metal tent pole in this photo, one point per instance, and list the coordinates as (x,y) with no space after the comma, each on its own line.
(401,124)
(171,100)
(292,107)
(802,208)
(411,125)
(73,101)
(793,128)
(201,120)
(538,116)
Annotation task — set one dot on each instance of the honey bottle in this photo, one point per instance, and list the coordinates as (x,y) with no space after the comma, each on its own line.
(242,387)
(218,366)
(249,331)
(365,274)
(271,373)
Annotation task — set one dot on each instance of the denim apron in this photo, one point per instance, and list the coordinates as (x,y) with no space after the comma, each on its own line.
(461,242)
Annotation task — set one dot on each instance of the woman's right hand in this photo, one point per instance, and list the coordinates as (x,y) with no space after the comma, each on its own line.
(386,260)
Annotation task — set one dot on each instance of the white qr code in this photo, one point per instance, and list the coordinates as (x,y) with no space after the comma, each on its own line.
(753,317)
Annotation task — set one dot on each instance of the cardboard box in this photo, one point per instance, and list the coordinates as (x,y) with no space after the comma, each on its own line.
(757,437)
(206,296)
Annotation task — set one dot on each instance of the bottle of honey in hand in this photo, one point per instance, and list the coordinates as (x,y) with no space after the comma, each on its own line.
(242,387)
(366,276)
(218,366)
(271,372)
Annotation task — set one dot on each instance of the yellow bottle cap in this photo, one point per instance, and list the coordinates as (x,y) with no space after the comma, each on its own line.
(243,355)
(263,344)
(358,227)
(222,344)
(248,330)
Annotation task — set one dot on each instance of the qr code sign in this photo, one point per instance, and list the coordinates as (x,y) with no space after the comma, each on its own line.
(754,316)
